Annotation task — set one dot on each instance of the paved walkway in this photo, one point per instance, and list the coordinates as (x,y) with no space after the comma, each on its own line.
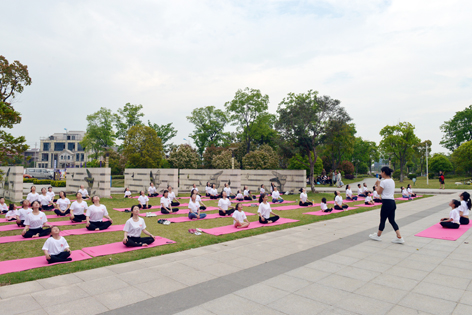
(328,267)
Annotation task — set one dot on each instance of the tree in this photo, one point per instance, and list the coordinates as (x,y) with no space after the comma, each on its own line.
(246,108)
(420,153)
(13,79)
(365,153)
(209,125)
(223,160)
(339,142)
(210,153)
(439,162)
(165,132)
(347,167)
(399,142)
(127,117)
(303,121)
(116,161)
(462,158)
(457,130)
(142,148)
(184,157)
(256,160)
(294,164)
(99,135)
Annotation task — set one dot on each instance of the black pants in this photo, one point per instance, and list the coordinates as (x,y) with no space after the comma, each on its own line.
(175,203)
(377,200)
(12,219)
(305,204)
(239,199)
(79,218)
(42,232)
(464,221)
(232,197)
(353,198)
(226,212)
(215,197)
(4,211)
(138,241)
(64,256)
(208,195)
(247,198)
(336,207)
(273,219)
(367,204)
(449,225)
(203,208)
(388,212)
(327,210)
(21,223)
(165,211)
(153,195)
(99,225)
(361,195)
(144,206)
(47,207)
(60,213)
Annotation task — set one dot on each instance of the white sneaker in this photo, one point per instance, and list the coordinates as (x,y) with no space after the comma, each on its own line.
(398,240)
(198,230)
(375,237)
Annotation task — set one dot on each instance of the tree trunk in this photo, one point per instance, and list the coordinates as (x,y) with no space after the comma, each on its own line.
(401,171)
(312,170)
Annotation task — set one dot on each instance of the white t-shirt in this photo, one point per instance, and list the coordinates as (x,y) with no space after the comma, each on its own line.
(409,191)
(368,199)
(36,221)
(463,207)
(12,213)
(303,197)
(195,188)
(262,190)
(127,193)
(455,216)
(194,206)
(239,216)
(152,190)
(360,190)
(207,189)
(275,195)
(376,194)
(264,210)
(404,192)
(388,186)
(84,192)
(349,193)
(224,203)
(213,192)
(51,194)
(239,196)
(227,191)
(198,199)
(63,203)
(3,207)
(96,213)
(22,213)
(323,206)
(133,228)
(32,197)
(78,208)
(165,202)
(54,246)
(171,195)
(44,200)
(339,200)
(143,199)
(246,193)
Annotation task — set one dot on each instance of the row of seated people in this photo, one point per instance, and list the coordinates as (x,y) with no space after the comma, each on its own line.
(459,214)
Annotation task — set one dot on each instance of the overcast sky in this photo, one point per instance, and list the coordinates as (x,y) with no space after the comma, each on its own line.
(386,61)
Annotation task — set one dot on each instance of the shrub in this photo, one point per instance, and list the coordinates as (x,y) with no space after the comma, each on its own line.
(396,174)
(41,181)
(117,176)
(362,168)
(184,157)
(411,176)
(28,180)
(349,176)
(58,183)
(346,167)
(223,161)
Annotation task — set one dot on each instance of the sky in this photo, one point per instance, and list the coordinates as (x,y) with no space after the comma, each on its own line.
(386,61)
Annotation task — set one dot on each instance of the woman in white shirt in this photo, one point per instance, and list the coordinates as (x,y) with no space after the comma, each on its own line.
(171,197)
(239,217)
(78,209)
(84,192)
(62,204)
(247,194)
(194,187)
(207,189)
(214,192)
(3,205)
(152,191)
(51,194)
(12,213)
(35,223)
(324,207)
(239,196)
(195,208)
(410,191)
(127,193)
(224,206)
(198,199)
(166,204)
(405,193)
(227,190)
(262,189)
(143,200)
(349,195)
(386,188)
(368,199)
(375,195)
(276,196)
(338,202)
(265,211)
(360,191)
(23,212)
(133,229)
(33,195)
(95,214)
(45,200)
(56,247)
(453,222)
(303,199)
(464,209)
(365,189)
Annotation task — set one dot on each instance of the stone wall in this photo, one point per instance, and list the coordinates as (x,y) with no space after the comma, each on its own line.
(200,177)
(285,180)
(11,185)
(137,179)
(95,180)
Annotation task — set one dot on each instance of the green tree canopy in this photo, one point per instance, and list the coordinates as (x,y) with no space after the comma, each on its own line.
(116,161)
(458,129)
(127,117)
(295,164)
(223,161)
(420,153)
(462,158)
(365,153)
(265,158)
(184,157)
(439,162)
(210,153)
(142,148)
(165,132)
(339,142)
(99,135)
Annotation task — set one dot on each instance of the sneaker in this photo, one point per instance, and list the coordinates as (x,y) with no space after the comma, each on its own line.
(375,237)
(198,233)
(398,240)
(166,222)
(198,230)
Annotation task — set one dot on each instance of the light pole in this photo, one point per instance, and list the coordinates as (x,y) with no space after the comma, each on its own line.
(427,169)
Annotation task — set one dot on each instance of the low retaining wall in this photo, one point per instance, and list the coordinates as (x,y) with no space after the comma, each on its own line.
(137,179)
(200,177)
(95,180)
(285,180)
(11,186)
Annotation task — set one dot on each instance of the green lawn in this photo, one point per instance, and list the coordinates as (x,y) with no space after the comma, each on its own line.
(118,183)
(434,183)
(346,181)
(176,231)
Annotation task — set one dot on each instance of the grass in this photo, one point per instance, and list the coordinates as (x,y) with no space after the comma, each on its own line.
(434,183)
(118,183)
(176,231)
(346,181)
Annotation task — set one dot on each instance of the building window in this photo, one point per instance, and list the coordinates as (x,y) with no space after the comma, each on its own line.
(68,157)
(79,147)
(73,137)
(71,146)
(82,157)
(44,157)
(77,157)
(59,146)
(46,146)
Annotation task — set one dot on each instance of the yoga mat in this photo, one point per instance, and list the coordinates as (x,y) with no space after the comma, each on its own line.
(254,225)
(369,206)
(438,232)
(49,216)
(209,216)
(181,211)
(344,201)
(36,262)
(58,223)
(291,207)
(321,212)
(119,247)
(123,209)
(401,199)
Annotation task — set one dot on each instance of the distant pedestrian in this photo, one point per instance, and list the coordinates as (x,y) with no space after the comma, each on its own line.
(441,180)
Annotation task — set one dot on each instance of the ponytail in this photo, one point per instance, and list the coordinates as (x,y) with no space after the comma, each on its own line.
(466,196)
(387,170)
(261,197)
(335,195)
(456,203)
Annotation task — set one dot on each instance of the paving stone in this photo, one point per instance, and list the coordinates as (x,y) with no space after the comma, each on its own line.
(364,305)
(118,298)
(463,309)
(381,292)
(58,295)
(139,276)
(427,304)
(160,287)
(59,281)
(448,281)
(395,282)
(20,289)
(295,304)
(126,267)
(358,273)
(401,310)
(466,298)
(94,274)
(19,304)
(287,283)
(322,293)
(234,304)
(85,306)
(342,283)
(191,277)
(309,274)
(261,293)
(439,291)
(98,286)
(406,273)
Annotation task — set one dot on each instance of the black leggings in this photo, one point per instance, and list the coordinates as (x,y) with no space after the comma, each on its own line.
(353,198)
(226,212)
(273,219)
(336,207)
(140,206)
(20,223)
(134,241)
(153,195)
(64,256)
(449,225)
(215,197)
(175,203)
(247,198)
(327,210)
(464,221)
(99,225)
(388,212)
(79,218)
(305,204)
(377,200)
(47,207)
(42,232)
(165,211)
(60,213)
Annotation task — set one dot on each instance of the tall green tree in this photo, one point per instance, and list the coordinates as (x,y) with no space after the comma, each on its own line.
(128,116)
(99,135)
(13,79)
(183,157)
(399,142)
(209,127)
(365,153)
(439,162)
(165,132)
(294,164)
(420,152)
(462,158)
(303,122)
(142,148)
(457,130)
(339,142)
(247,108)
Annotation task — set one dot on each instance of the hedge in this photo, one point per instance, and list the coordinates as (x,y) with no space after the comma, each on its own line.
(28,180)
(117,176)
(58,183)
(41,181)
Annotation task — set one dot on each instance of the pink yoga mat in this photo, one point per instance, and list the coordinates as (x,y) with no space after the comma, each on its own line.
(49,216)
(254,225)
(369,206)
(319,213)
(344,201)
(119,247)
(36,262)
(401,199)
(181,211)
(153,207)
(438,232)
(13,227)
(291,207)
(209,216)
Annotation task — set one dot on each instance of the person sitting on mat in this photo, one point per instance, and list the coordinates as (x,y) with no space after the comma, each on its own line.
(464,209)
(239,217)
(227,189)
(195,209)
(35,223)
(262,189)
(324,207)
(349,195)
(56,248)
(166,204)
(51,194)
(194,187)
(410,191)
(360,191)
(214,193)
(45,200)
(405,193)
(143,201)
(127,193)
(84,192)
(247,194)
(152,191)
(33,195)
(3,205)
(207,189)
(276,196)
(134,226)
(453,222)
(303,199)
(338,202)
(171,197)
(23,212)
(368,199)
(198,199)
(78,208)
(239,196)
(95,214)
(62,204)
(365,189)
(12,213)
(224,206)
(265,211)
(376,196)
